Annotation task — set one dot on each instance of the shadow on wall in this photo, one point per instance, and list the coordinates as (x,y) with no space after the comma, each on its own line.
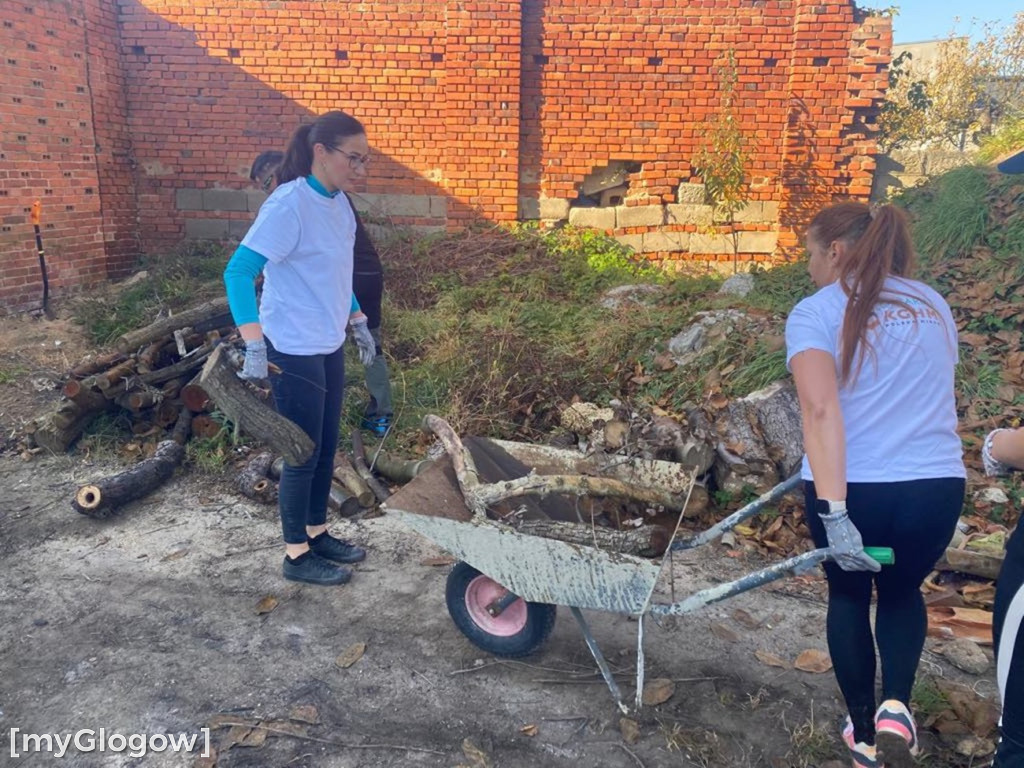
(199,115)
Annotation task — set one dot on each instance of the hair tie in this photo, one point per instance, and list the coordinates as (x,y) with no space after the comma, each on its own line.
(873,210)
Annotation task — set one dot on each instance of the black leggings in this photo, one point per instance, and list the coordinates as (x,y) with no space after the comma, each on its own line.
(308,391)
(1008,632)
(917,519)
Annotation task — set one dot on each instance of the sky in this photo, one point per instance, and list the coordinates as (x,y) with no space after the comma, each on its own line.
(934,19)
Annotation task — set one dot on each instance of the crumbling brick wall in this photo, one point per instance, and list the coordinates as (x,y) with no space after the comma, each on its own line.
(475,108)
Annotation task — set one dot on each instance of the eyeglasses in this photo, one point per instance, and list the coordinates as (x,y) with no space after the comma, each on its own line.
(354,160)
(267,183)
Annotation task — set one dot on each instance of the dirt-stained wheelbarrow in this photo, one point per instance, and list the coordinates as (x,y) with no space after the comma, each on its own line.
(503,591)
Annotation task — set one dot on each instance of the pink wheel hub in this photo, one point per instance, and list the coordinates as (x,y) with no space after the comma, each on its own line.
(483,591)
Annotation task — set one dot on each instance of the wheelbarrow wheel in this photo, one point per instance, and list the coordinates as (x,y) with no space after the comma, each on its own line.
(519,630)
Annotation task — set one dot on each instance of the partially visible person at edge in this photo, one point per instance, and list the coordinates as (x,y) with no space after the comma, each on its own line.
(1001,453)
(368,286)
(873,353)
(303,240)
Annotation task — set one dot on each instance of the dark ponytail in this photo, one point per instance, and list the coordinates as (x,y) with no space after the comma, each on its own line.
(329,129)
(878,244)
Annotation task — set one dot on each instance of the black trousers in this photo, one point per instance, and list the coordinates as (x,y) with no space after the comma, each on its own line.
(1008,613)
(916,518)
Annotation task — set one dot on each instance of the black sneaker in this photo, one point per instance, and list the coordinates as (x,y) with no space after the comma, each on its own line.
(313,569)
(338,550)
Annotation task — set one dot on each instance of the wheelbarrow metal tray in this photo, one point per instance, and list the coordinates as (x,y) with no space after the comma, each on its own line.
(536,569)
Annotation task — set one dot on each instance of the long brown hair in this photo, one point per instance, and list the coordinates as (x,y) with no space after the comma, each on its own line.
(878,245)
(328,129)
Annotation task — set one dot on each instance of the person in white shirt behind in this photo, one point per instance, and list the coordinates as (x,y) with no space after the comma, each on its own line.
(873,354)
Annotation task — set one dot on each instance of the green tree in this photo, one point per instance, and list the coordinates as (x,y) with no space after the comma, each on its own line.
(722,163)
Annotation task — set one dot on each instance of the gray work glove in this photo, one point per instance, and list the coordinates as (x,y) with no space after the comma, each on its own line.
(844,540)
(255,368)
(364,340)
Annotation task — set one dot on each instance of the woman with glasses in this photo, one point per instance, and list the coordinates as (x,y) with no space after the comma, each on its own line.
(303,241)
(368,287)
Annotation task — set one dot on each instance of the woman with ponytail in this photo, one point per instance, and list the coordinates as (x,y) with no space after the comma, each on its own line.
(302,241)
(873,353)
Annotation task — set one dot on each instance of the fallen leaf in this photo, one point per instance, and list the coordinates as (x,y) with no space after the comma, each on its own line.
(723,632)
(629,729)
(438,561)
(744,530)
(306,713)
(771,659)
(175,555)
(243,736)
(286,728)
(476,756)
(658,691)
(745,619)
(813,660)
(351,655)
(718,400)
(529,730)
(228,720)
(266,605)
(972,746)
(210,761)
(664,362)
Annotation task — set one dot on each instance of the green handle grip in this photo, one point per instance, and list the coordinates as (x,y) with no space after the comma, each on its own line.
(883,555)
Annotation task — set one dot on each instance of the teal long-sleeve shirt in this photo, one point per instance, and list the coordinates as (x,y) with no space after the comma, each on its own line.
(240,275)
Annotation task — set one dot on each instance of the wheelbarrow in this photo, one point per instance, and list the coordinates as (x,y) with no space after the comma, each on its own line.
(503,592)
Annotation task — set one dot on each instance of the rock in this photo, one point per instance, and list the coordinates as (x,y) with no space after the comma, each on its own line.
(686,346)
(615,434)
(973,746)
(738,285)
(966,655)
(991,495)
(628,294)
(580,417)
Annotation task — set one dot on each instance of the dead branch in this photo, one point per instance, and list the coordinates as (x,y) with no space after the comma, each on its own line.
(253,482)
(102,498)
(346,474)
(133,340)
(645,541)
(359,462)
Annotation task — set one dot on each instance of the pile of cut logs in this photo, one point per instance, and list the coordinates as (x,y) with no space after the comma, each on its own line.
(151,374)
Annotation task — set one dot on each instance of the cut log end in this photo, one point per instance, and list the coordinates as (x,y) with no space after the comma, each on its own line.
(89,497)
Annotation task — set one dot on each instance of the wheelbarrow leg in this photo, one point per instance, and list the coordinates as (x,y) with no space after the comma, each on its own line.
(606,671)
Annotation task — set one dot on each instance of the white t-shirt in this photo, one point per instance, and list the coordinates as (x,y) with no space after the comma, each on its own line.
(899,413)
(308,240)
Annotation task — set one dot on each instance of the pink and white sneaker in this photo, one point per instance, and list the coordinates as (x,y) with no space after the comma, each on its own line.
(896,735)
(863,755)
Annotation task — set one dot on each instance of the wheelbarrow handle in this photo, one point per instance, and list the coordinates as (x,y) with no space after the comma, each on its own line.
(881,555)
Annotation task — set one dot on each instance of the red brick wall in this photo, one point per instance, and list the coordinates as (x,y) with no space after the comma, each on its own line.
(486,103)
(47,151)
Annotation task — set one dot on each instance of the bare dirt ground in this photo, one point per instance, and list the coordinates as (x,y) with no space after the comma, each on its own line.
(156,622)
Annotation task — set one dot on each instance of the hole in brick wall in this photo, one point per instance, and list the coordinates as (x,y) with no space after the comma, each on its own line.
(16,99)
(770,62)
(65,140)
(77,55)
(82,124)
(29,9)
(88,190)
(25,174)
(86,158)
(436,57)
(50,226)
(234,53)
(139,50)
(48,192)
(53,67)
(9,24)
(79,89)
(66,174)
(6,228)
(540,59)
(654,61)
(60,105)
(50,33)
(37,83)
(341,55)
(3,193)
(605,185)
(22,137)
(31,46)
(69,207)
(821,61)
(47,157)
(41,120)
(12,62)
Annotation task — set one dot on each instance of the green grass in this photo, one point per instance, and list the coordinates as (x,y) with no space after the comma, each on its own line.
(1008,137)
(188,276)
(951,215)
(9,375)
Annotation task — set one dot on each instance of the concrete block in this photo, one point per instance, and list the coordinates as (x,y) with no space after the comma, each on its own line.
(409,205)
(770,210)
(758,242)
(710,243)
(697,214)
(554,208)
(188,199)
(636,242)
(595,218)
(365,202)
(639,216)
(691,193)
(666,241)
(749,213)
(238,227)
(254,199)
(529,208)
(206,229)
(438,207)
(225,200)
